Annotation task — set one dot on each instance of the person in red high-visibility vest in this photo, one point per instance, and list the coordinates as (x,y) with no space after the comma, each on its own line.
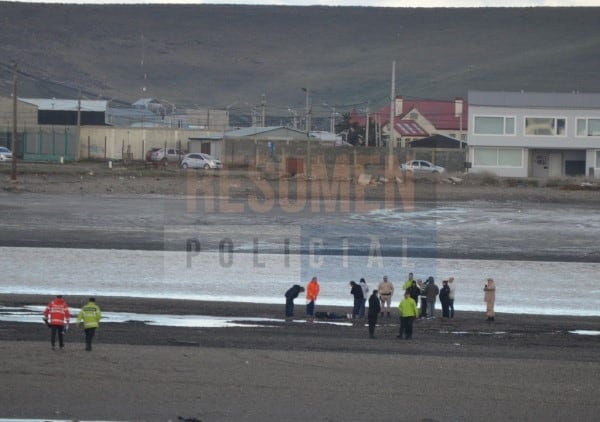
(57,316)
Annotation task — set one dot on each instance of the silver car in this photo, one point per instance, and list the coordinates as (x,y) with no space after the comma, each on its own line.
(422,166)
(5,154)
(199,160)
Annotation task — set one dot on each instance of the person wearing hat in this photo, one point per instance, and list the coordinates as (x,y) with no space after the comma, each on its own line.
(408,313)
(386,291)
(90,316)
(57,317)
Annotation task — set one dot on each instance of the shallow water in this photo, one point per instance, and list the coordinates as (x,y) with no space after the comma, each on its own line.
(32,314)
(529,287)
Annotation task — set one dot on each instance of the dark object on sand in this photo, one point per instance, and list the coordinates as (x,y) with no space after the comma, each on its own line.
(329,315)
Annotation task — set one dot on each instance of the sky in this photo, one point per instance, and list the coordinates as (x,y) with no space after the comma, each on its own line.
(371,3)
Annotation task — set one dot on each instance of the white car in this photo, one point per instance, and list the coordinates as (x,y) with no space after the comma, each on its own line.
(422,166)
(5,154)
(199,160)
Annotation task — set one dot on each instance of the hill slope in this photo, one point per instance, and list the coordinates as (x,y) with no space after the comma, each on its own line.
(213,55)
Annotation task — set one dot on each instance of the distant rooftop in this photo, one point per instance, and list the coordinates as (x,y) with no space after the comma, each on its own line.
(534,99)
(67,105)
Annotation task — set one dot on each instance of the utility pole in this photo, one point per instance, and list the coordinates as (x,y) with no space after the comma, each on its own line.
(377,130)
(253,115)
(367,125)
(78,109)
(332,120)
(263,104)
(78,121)
(392,139)
(15,141)
(307,122)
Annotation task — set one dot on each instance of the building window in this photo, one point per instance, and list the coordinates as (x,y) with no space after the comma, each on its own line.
(597,159)
(545,126)
(509,157)
(494,125)
(588,127)
(498,157)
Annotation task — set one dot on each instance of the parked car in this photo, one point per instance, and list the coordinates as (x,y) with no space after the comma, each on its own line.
(199,160)
(422,166)
(5,154)
(165,155)
(150,152)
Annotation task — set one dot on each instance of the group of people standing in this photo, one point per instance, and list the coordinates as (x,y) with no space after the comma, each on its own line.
(415,291)
(379,302)
(58,317)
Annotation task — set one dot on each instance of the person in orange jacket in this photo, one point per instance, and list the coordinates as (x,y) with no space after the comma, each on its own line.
(312,291)
(57,316)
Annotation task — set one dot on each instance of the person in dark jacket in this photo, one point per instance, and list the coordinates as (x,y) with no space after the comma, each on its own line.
(431,293)
(359,299)
(421,286)
(414,291)
(290,295)
(374,309)
(445,299)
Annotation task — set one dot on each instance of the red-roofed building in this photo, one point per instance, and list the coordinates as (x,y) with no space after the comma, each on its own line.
(417,119)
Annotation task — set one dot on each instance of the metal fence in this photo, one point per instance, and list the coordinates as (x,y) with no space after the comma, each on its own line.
(51,144)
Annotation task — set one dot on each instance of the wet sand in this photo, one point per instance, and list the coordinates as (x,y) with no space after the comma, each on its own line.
(521,367)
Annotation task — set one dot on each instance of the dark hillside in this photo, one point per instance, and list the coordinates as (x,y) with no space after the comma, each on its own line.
(211,55)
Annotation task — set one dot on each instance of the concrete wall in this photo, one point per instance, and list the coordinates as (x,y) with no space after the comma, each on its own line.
(26,115)
(256,154)
(103,143)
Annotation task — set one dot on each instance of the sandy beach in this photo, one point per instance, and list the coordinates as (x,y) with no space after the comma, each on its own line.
(517,368)
(520,368)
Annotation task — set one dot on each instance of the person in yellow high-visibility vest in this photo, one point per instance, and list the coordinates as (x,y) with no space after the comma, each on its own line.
(408,313)
(90,315)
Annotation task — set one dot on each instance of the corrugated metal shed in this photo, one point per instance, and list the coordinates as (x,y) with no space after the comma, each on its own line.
(282,132)
(67,105)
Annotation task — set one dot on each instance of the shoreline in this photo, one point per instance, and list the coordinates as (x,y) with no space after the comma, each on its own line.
(140,372)
(520,367)
(509,323)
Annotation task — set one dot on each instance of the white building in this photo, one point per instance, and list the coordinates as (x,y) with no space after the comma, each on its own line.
(523,134)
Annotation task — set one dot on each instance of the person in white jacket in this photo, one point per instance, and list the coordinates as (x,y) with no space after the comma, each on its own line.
(363,284)
(452,286)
